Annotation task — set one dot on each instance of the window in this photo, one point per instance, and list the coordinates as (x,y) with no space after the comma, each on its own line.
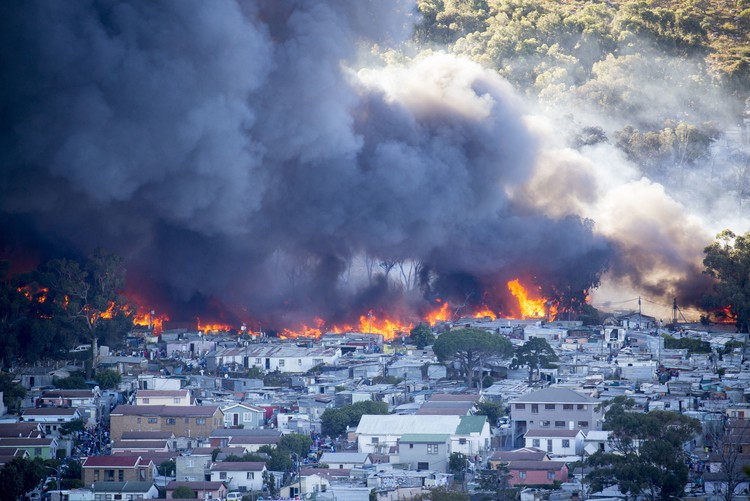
(423,466)
(146,401)
(281,363)
(109,475)
(37,451)
(559,424)
(247,417)
(522,475)
(200,420)
(120,475)
(222,475)
(187,420)
(171,420)
(580,407)
(462,441)
(432,448)
(550,475)
(544,424)
(317,361)
(299,361)
(583,424)
(258,361)
(549,445)
(250,475)
(177,400)
(549,407)
(375,440)
(520,406)
(535,408)
(567,407)
(565,443)
(137,420)
(153,420)
(411,446)
(535,442)
(96,475)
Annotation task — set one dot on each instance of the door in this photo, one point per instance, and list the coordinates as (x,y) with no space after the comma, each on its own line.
(236,419)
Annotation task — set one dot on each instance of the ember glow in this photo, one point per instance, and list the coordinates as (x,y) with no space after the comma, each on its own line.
(442,314)
(152,321)
(368,324)
(485,313)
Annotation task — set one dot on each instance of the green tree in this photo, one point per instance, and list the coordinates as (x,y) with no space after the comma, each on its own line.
(647,457)
(470,348)
(422,336)
(535,354)
(13,393)
(278,459)
(19,476)
(457,462)
(108,379)
(76,381)
(167,468)
(90,297)
(492,410)
(296,443)
(269,484)
(335,421)
(71,427)
(728,262)
(184,492)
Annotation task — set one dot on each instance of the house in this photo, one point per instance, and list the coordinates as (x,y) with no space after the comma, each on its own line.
(192,424)
(243,415)
(536,472)
(163,397)
(123,364)
(614,335)
(555,408)
(425,451)
(557,442)
(345,460)
(595,441)
(273,357)
(127,490)
(140,446)
(116,468)
(51,418)
(378,433)
(88,402)
(194,466)
(202,489)
(239,476)
(21,430)
(500,458)
(45,448)
(249,440)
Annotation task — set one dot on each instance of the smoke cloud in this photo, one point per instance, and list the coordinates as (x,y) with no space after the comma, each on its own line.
(259,156)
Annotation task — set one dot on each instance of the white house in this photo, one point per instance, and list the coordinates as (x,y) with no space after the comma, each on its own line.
(239,476)
(163,397)
(51,418)
(345,460)
(269,358)
(557,442)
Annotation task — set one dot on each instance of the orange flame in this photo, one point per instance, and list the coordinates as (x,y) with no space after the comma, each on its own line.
(368,324)
(156,322)
(440,315)
(485,313)
(530,307)
(39,295)
(206,328)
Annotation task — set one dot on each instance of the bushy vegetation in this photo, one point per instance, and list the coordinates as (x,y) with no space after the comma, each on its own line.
(335,421)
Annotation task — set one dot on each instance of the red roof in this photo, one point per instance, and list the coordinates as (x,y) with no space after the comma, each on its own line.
(165,410)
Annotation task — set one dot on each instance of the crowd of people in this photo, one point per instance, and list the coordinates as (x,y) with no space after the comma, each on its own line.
(93,441)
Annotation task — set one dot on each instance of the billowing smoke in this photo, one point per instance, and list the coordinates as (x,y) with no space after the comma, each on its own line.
(261,156)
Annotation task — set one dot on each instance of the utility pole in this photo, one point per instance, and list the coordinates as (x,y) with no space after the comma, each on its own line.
(674,311)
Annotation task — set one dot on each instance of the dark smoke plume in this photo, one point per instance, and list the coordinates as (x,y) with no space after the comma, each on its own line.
(240,152)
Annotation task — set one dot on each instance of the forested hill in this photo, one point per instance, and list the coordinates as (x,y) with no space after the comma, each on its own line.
(661,80)
(577,34)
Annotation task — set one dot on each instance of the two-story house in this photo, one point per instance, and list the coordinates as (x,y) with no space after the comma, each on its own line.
(88,402)
(425,451)
(240,476)
(118,468)
(191,425)
(51,418)
(557,409)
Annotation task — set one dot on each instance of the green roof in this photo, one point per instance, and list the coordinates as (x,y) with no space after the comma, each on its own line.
(424,438)
(471,424)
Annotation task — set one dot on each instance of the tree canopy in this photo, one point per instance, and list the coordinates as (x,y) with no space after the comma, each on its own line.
(335,421)
(536,353)
(470,348)
(647,457)
(422,336)
(728,261)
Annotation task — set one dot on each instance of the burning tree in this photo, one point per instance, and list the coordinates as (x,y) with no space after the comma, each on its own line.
(89,297)
(728,261)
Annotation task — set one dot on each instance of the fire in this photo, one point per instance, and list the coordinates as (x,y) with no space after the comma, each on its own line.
(151,320)
(440,315)
(484,313)
(206,328)
(368,324)
(531,308)
(725,316)
(39,295)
